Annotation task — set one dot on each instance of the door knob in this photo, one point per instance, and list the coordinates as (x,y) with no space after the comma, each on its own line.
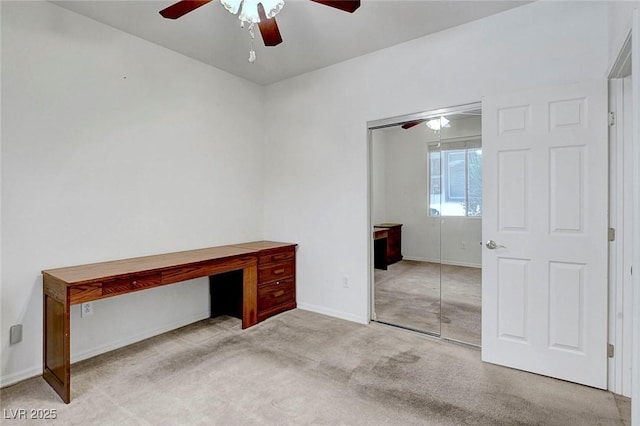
(491,245)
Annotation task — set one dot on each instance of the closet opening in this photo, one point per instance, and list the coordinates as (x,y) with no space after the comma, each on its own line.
(426,222)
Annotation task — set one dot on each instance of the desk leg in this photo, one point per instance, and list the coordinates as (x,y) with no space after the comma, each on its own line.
(380,253)
(56,332)
(249,296)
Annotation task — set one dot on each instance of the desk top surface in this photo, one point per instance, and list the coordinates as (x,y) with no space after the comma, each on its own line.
(96,271)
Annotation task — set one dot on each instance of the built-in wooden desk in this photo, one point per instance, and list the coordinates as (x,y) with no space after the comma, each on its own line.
(64,287)
(380,236)
(394,241)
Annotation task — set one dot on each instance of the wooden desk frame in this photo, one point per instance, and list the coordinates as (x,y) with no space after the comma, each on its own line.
(380,236)
(64,287)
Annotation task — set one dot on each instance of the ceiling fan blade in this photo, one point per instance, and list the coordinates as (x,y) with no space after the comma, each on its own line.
(268,28)
(182,8)
(346,5)
(411,124)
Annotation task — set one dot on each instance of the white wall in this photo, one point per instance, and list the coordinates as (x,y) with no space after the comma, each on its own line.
(378,177)
(316,193)
(407,192)
(619,15)
(114,147)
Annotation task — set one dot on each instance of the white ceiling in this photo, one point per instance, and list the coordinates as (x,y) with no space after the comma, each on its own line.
(315,36)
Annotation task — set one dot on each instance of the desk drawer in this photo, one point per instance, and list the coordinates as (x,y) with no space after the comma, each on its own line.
(276,293)
(277,256)
(275,271)
(85,293)
(126,285)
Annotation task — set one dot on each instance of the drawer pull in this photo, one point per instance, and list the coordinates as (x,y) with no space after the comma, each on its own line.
(280,256)
(277,293)
(133,284)
(278,271)
(277,282)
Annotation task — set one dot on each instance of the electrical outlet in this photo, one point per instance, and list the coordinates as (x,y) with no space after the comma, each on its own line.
(345,282)
(86,309)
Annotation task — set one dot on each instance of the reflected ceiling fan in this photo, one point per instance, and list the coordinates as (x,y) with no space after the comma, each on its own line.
(438,122)
(260,12)
(432,123)
(411,124)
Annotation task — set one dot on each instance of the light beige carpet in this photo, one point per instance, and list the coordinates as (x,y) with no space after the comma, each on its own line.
(302,368)
(444,300)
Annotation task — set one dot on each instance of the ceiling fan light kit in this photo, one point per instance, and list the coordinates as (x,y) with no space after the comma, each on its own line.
(249,9)
(260,12)
(438,123)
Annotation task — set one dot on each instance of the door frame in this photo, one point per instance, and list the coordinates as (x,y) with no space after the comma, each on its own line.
(621,220)
(635,81)
(632,44)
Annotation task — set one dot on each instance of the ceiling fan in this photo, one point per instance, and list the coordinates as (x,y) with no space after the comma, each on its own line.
(265,19)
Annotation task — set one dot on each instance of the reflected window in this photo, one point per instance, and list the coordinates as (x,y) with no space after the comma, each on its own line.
(455,179)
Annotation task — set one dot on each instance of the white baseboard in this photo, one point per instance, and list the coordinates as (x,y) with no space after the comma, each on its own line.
(444,261)
(333,313)
(19,376)
(34,371)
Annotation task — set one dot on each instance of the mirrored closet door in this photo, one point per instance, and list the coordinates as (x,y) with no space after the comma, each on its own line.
(407,287)
(426,210)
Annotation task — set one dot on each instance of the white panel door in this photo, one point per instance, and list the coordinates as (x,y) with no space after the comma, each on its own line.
(544,285)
